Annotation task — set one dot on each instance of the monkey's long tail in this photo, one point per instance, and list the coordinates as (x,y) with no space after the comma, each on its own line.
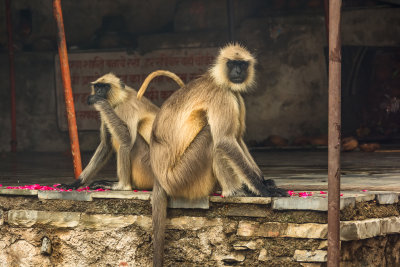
(154,74)
(159,217)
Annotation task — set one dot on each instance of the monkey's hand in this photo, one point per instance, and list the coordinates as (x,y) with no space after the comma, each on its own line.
(103,184)
(95,100)
(75,185)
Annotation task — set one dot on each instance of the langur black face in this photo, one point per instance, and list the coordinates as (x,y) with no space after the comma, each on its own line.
(237,70)
(100,92)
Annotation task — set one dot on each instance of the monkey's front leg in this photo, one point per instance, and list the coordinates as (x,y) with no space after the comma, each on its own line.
(125,138)
(251,176)
(98,160)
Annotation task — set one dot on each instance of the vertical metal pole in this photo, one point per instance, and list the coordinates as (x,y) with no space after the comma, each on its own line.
(231,20)
(334,130)
(12,78)
(69,100)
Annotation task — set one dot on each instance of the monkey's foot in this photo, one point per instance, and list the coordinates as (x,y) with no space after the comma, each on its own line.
(102,184)
(271,190)
(118,186)
(75,185)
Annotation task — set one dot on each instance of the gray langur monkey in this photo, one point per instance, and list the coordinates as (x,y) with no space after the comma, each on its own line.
(125,127)
(197,140)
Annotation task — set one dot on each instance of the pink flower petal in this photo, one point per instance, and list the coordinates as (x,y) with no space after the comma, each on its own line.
(323,192)
(364,190)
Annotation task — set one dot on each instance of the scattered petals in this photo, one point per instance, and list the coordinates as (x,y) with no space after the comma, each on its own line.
(364,190)
(135,191)
(291,193)
(323,192)
(304,194)
(341,195)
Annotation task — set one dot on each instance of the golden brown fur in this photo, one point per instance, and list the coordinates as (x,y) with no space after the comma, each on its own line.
(197,140)
(126,126)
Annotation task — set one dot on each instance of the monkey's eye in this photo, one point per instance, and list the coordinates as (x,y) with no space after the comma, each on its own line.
(244,65)
(230,64)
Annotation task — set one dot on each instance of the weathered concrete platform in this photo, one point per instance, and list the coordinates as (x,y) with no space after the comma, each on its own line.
(114,228)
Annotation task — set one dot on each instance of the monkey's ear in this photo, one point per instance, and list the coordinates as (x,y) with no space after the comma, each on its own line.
(122,84)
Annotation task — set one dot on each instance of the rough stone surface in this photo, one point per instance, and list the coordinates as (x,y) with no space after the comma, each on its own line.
(272,229)
(180,203)
(387,198)
(122,195)
(244,245)
(18,192)
(310,256)
(323,245)
(378,251)
(241,200)
(74,195)
(1,217)
(355,230)
(254,211)
(310,203)
(28,218)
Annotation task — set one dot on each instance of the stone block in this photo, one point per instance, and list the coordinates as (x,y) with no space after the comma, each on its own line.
(18,192)
(323,244)
(106,221)
(122,195)
(241,200)
(1,217)
(274,229)
(355,230)
(310,256)
(310,264)
(263,256)
(73,195)
(390,225)
(28,218)
(387,198)
(309,203)
(231,259)
(182,203)
(245,245)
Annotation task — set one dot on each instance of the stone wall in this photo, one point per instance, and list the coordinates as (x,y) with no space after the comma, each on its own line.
(290,99)
(114,229)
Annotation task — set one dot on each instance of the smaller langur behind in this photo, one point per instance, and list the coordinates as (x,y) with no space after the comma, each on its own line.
(126,126)
(197,140)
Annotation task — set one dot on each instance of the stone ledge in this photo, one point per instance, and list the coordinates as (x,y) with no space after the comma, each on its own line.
(309,203)
(355,230)
(74,195)
(18,192)
(349,230)
(275,229)
(241,200)
(29,218)
(122,195)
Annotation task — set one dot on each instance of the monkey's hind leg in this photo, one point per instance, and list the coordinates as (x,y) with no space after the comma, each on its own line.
(189,176)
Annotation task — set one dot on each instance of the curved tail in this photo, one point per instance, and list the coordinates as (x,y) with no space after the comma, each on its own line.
(154,74)
(159,205)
